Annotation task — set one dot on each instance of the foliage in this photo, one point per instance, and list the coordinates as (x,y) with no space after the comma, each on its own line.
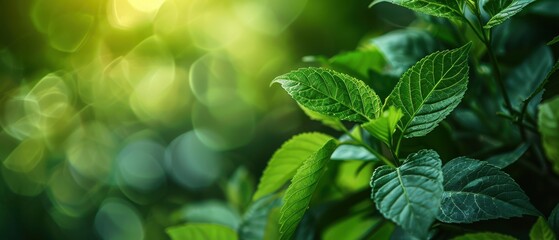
(426,195)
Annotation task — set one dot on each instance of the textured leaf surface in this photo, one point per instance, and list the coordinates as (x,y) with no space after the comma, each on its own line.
(484,236)
(410,194)
(553,220)
(299,193)
(541,231)
(331,93)
(548,126)
(287,159)
(201,231)
(430,90)
(403,48)
(451,9)
(503,160)
(383,127)
(475,190)
(501,10)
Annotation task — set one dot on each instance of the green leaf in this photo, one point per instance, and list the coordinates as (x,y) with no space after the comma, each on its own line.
(548,126)
(383,127)
(350,152)
(210,211)
(255,219)
(501,10)
(299,193)
(476,190)
(430,90)
(541,231)
(358,63)
(240,188)
(331,93)
(451,9)
(484,236)
(287,159)
(403,48)
(553,41)
(526,77)
(553,220)
(326,120)
(410,195)
(503,160)
(201,231)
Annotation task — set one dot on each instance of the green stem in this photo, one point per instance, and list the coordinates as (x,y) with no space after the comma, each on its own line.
(369,148)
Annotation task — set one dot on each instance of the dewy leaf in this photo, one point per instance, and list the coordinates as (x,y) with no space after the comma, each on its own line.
(331,93)
(201,231)
(475,190)
(501,10)
(299,193)
(548,126)
(451,9)
(553,220)
(287,159)
(430,90)
(541,231)
(410,195)
(503,160)
(484,236)
(403,48)
(383,127)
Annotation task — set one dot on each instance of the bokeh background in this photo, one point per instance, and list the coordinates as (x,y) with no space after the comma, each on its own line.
(120,118)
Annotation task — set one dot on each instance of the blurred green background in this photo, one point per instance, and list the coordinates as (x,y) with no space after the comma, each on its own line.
(120,118)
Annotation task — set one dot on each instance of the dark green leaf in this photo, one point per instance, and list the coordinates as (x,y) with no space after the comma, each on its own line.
(553,220)
(255,219)
(403,48)
(541,231)
(501,10)
(430,90)
(299,193)
(201,231)
(410,194)
(331,93)
(476,190)
(383,127)
(525,78)
(211,211)
(553,41)
(548,126)
(484,236)
(451,9)
(287,159)
(503,160)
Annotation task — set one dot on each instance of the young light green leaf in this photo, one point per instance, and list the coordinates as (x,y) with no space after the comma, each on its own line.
(299,193)
(410,195)
(484,236)
(287,160)
(383,127)
(326,120)
(201,231)
(501,10)
(451,9)
(503,160)
(430,90)
(541,231)
(358,63)
(475,190)
(548,126)
(331,93)
(403,48)
(553,220)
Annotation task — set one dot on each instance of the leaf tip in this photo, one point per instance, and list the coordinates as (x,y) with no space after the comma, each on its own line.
(375,2)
